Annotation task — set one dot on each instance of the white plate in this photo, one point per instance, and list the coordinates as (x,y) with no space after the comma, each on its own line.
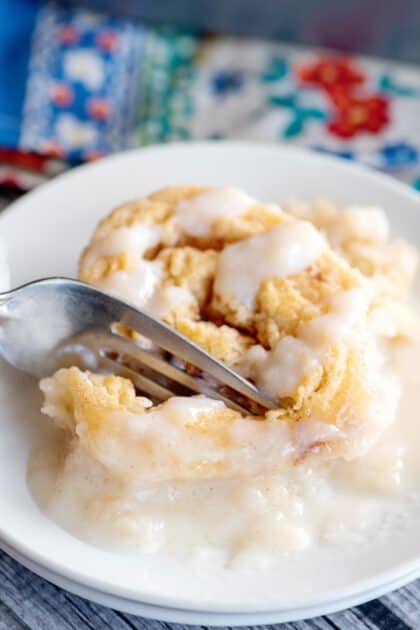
(179,615)
(45,232)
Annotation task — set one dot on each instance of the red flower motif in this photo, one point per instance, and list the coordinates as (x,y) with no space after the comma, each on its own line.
(24,159)
(353,115)
(68,35)
(108,41)
(61,94)
(99,108)
(92,155)
(10,180)
(331,72)
(53,148)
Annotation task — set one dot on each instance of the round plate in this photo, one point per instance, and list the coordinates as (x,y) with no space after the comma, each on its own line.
(45,232)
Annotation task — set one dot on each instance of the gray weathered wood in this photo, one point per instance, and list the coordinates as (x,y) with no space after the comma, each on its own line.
(28,602)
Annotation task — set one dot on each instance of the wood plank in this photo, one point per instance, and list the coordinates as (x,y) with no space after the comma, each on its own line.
(27,602)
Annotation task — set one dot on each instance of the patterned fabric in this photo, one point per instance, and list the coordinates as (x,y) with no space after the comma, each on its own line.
(76,85)
(357,109)
(95,84)
(165,100)
(82,84)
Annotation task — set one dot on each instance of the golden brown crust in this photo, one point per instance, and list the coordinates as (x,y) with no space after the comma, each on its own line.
(79,394)
(256,220)
(227,329)
(172,195)
(392,261)
(158,208)
(284,304)
(223,342)
(93,272)
(190,268)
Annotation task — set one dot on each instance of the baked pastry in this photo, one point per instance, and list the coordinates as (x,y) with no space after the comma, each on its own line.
(292,300)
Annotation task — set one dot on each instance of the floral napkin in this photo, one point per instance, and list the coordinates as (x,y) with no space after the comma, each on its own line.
(76,85)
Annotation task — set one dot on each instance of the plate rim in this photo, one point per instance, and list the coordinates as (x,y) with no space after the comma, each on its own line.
(383,178)
(385,181)
(209,618)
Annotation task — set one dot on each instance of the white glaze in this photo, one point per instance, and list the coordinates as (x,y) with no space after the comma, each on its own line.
(279,371)
(197,215)
(366,223)
(136,285)
(343,323)
(166,298)
(284,250)
(134,241)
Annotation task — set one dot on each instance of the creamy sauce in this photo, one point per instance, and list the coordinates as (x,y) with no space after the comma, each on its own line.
(285,250)
(190,479)
(239,523)
(196,216)
(186,438)
(361,222)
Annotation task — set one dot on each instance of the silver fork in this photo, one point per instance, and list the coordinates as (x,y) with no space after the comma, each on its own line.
(58,321)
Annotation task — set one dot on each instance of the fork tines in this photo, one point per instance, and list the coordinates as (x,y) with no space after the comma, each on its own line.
(156,370)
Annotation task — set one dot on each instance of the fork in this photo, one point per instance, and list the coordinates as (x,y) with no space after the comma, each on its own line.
(54,322)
